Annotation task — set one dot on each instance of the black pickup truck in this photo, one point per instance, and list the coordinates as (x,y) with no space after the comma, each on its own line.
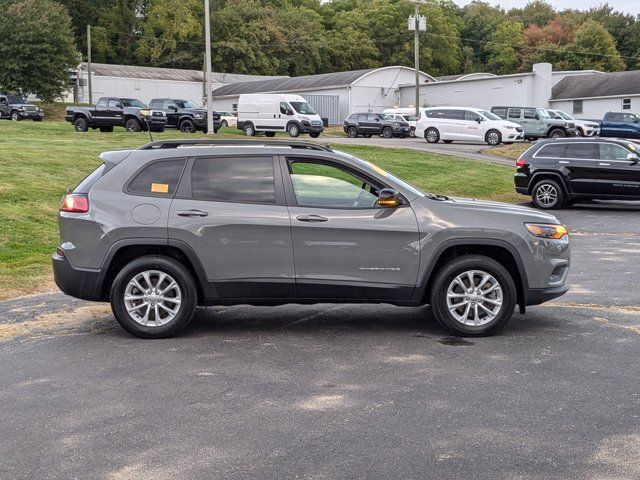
(16,108)
(111,112)
(185,115)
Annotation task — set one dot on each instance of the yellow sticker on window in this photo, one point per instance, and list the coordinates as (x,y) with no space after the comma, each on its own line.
(160,187)
(632,146)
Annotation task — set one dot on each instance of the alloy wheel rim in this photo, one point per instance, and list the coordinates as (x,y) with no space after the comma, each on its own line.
(431,136)
(474,298)
(547,195)
(493,138)
(152,298)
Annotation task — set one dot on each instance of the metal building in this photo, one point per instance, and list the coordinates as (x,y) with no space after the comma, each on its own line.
(333,95)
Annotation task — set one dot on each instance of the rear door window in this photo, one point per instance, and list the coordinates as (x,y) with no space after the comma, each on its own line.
(515,113)
(471,116)
(530,113)
(585,151)
(454,114)
(234,179)
(362,117)
(158,178)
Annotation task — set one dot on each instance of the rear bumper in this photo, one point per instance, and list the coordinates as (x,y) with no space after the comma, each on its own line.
(78,283)
(536,296)
(521,181)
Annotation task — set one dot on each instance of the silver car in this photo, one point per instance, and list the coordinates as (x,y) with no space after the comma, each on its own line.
(175,224)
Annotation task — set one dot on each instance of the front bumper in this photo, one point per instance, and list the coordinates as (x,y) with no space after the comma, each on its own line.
(401,131)
(308,127)
(75,282)
(31,115)
(536,296)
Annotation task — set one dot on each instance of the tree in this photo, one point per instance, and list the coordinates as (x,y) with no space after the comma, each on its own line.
(548,43)
(504,48)
(593,48)
(37,50)
(536,12)
(479,21)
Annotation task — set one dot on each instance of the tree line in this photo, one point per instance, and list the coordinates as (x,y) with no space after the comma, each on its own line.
(301,37)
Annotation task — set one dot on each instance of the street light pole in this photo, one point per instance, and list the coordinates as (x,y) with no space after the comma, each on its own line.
(89,64)
(416,54)
(207,36)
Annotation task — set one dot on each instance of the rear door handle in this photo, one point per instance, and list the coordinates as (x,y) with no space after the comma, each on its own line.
(192,213)
(604,164)
(564,162)
(311,218)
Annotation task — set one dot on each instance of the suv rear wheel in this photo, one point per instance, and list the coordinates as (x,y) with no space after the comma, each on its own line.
(473,295)
(547,194)
(153,297)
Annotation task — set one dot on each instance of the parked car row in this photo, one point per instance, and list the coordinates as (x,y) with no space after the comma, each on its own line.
(135,116)
(16,108)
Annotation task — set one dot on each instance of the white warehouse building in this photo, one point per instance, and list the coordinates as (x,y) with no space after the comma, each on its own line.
(485,90)
(333,95)
(145,83)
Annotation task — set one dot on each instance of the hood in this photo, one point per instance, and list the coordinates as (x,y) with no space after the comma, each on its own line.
(505,124)
(23,105)
(486,206)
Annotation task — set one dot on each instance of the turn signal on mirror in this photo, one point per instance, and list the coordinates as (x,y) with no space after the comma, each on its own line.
(544,230)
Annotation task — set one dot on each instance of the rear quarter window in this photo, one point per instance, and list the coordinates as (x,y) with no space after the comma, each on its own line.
(159,178)
(554,150)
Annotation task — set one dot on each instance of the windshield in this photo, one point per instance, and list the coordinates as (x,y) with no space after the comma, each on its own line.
(185,104)
(489,115)
(387,116)
(564,115)
(16,99)
(386,174)
(543,113)
(133,103)
(303,107)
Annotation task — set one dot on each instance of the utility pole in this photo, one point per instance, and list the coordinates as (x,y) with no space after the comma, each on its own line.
(89,63)
(207,36)
(418,24)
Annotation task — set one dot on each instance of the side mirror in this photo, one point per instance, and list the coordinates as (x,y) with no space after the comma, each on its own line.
(388,198)
(119,105)
(537,117)
(479,120)
(290,112)
(633,158)
(173,108)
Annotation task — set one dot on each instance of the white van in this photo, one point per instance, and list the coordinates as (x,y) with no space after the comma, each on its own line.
(466,124)
(406,115)
(271,113)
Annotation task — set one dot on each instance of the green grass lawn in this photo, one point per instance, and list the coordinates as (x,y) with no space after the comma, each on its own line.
(40,161)
(512,152)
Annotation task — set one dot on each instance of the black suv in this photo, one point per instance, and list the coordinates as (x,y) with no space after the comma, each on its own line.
(17,108)
(185,115)
(367,124)
(563,171)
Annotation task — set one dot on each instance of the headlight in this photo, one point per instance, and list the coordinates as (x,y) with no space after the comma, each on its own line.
(567,125)
(544,230)
(304,119)
(509,127)
(21,109)
(396,124)
(145,113)
(199,116)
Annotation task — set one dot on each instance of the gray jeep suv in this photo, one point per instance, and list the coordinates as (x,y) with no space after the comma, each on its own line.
(176,224)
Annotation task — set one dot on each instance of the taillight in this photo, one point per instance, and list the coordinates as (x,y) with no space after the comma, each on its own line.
(520,162)
(74,203)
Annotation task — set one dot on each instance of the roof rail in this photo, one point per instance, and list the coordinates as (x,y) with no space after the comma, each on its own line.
(166,144)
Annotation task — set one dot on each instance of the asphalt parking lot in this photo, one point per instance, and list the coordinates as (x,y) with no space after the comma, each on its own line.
(326,391)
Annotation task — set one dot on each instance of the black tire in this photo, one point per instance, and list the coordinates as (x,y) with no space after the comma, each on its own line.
(186,285)
(448,141)
(557,133)
(432,135)
(366,135)
(270,134)
(224,124)
(445,278)
(249,130)
(579,132)
(133,125)
(508,143)
(352,132)
(412,132)
(80,124)
(493,138)
(106,129)
(547,195)
(387,132)
(314,134)
(293,130)
(187,126)
(15,116)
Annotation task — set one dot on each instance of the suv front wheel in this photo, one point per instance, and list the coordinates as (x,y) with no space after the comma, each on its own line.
(473,295)
(153,297)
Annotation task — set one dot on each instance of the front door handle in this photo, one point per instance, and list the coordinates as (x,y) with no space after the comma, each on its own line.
(192,213)
(311,218)
(602,164)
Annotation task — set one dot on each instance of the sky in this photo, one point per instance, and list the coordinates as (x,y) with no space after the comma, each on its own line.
(627,6)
